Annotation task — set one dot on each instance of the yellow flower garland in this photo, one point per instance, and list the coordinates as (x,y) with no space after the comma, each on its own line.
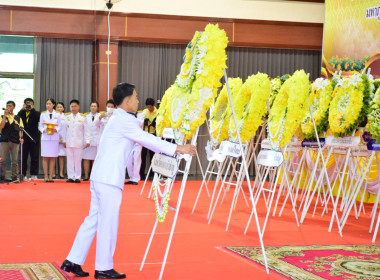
(321,96)
(258,87)
(218,116)
(374,116)
(198,82)
(162,119)
(349,104)
(289,109)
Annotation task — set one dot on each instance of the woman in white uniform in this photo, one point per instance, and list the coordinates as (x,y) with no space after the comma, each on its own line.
(49,138)
(93,124)
(61,150)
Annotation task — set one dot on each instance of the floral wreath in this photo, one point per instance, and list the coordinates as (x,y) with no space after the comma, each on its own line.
(161,206)
(162,119)
(350,103)
(322,90)
(374,116)
(197,84)
(219,112)
(288,110)
(258,87)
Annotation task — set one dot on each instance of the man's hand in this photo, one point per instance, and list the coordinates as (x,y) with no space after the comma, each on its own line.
(6,112)
(87,145)
(21,141)
(102,116)
(186,149)
(64,144)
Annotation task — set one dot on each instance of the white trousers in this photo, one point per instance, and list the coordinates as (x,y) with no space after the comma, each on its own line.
(74,163)
(134,164)
(103,220)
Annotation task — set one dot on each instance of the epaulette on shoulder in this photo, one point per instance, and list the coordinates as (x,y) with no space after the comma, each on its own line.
(139,111)
(86,113)
(83,115)
(43,112)
(102,112)
(68,113)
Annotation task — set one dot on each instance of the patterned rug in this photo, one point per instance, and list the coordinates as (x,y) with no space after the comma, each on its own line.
(32,271)
(335,262)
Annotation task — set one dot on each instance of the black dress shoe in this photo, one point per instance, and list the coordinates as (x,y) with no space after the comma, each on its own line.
(130,183)
(77,181)
(76,269)
(69,181)
(86,179)
(109,274)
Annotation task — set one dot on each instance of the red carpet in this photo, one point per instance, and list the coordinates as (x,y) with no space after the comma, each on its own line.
(39,223)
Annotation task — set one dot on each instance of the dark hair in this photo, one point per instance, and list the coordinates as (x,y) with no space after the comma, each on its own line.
(11,102)
(63,105)
(96,102)
(74,101)
(110,101)
(121,91)
(149,101)
(51,100)
(28,100)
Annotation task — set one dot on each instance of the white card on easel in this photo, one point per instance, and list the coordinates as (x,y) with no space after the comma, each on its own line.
(165,165)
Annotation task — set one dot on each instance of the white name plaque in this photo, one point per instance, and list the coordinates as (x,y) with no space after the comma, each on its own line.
(231,149)
(165,165)
(270,158)
(349,141)
(168,133)
(265,144)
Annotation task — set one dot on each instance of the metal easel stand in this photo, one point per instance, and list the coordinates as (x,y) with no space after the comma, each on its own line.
(247,176)
(320,177)
(176,210)
(150,168)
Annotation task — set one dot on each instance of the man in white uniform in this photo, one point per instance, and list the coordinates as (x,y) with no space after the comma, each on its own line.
(105,116)
(134,164)
(93,124)
(77,138)
(107,182)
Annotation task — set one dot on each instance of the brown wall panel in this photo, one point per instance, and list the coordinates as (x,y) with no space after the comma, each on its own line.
(80,24)
(5,20)
(54,24)
(279,35)
(177,30)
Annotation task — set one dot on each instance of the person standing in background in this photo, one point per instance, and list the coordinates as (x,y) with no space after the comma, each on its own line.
(134,164)
(49,139)
(76,139)
(30,118)
(150,113)
(93,124)
(60,108)
(105,116)
(11,137)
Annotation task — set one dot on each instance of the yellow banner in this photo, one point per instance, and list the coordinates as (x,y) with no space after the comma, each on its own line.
(351,37)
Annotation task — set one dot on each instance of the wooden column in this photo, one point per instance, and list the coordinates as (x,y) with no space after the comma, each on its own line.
(100,71)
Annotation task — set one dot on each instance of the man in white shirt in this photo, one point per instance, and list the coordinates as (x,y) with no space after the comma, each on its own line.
(77,137)
(107,182)
(93,124)
(134,164)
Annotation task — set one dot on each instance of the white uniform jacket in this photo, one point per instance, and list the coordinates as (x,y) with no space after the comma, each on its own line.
(45,118)
(62,132)
(77,132)
(94,127)
(116,146)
